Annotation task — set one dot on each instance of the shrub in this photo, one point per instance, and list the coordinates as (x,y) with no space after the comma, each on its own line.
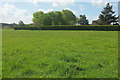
(73,27)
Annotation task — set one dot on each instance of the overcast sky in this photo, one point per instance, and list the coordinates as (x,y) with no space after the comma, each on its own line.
(14,11)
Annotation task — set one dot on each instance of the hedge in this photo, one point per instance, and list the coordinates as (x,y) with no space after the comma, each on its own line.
(84,27)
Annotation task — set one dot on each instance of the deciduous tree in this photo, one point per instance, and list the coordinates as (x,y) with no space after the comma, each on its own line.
(38,18)
(68,17)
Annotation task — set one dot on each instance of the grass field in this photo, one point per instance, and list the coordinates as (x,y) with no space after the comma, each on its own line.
(59,54)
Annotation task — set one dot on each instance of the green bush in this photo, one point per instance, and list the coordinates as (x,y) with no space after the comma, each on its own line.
(72,27)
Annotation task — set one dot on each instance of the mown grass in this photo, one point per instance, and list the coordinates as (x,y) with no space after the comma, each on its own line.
(59,54)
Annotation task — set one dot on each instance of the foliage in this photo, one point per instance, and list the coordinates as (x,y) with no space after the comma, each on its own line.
(47,20)
(83,20)
(72,27)
(107,16)
(53,16)
(58,18)
(6,25)
(38,18)
(20,23)
(119,19)
(59,54)
(66,17)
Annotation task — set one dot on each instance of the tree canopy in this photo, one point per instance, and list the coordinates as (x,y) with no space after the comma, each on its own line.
(66,17)
(107,16)
(83,20)
(38,18)
(21,23)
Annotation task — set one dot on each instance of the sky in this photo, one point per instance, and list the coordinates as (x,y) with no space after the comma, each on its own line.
(14,11)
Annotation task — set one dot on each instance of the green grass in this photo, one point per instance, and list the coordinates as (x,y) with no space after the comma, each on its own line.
(59,54)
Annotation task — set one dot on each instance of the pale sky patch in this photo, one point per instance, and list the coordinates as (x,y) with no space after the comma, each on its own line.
(46,11)
(15,11)
(91,18)
(10,14)
(98,3)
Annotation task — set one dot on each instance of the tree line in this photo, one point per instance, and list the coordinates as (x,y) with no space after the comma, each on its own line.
(67,17)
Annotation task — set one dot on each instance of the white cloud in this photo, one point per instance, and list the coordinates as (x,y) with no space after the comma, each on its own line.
(91,18)
(98,3)
(10,14)
(59,4)
(55,3)
(115,4)
(46,11)
(54,0)
(82,8)
(62,3)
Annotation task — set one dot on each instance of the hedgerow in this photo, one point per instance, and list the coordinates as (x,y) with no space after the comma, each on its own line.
(72,27)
